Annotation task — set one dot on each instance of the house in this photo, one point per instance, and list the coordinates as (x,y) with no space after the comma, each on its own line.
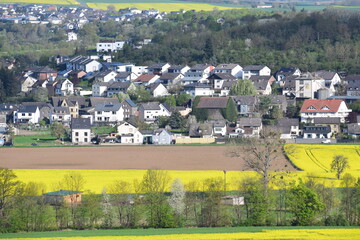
(214,106)
(126,128)
(353,129)
(317,132)
(108,45)
(262,84)
(226,87)
(201,130)
(288,128)
(125,76)
(85,64)
(99,89)
(44,108)
(130,108)
(157,90)
(278,101)
(72,36)
(198,89)
(232,200)
(27,114)
(60,114)
(27,83)
(75,76)
(246,105)
(45,73)
(255,70)
(77,101)
(117,87)
(146,79)
(105,76)
(162,137)
(64,87)
(108,113)
(198,74)
(150,112)
(178,69)
(353,85)
(230,68)
(321,108)
(249,127)
(40,84)
(63,196)
(81,130)
(71,104)
(285,72)
(331,78)
(3,123)
(171,78)
(219,127)
(217,80)
(158,68)
(333,123)
(118,66)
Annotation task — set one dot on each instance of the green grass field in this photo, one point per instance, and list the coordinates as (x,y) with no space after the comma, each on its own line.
(42,139)
(225,233)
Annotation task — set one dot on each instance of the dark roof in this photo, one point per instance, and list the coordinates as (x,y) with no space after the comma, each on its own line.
(352,77)
(245,100)
(200,129)
(249,122)
(37,104)
(260,82)
(224,76)
(177,67)
(201,67)
(80,123)
(27,109)
(62,193)
(124,85)
(197,85)
(317,129)
(353,128)
(123,74)
(169,76)
(61,110)
(130,102)
(97,100)
(108,106)
(277,99)
(213,102)
(289,82)
(104,73)
(81,100)
(229,83)
(327,75)
(226,66)
(45,69)
(151,106)
(157,65)
(253,67)
(285,124)
(327,120)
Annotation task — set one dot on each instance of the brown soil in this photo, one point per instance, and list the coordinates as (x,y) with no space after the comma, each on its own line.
(127,157)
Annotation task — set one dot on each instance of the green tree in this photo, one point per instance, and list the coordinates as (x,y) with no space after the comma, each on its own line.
(264,104)
(339,164)
(176,200)
(182,99)
(170,100)
(304,203)
(176,121)
(201,114)
(163,121)
(40,95)
(243,87)
(57,130)
(230,112)
(122,96)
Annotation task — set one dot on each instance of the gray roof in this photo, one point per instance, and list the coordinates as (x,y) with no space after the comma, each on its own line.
(224,76)
(277,99)
(177,67)
(157,65)
(151,106)
(353,128)
(123,74)
(327,75)
(61,110)
(97,100)
(229,83)
(80,123)
(27,109)
(285,124)
(200,129)
(245,100)
(104,73)
(260,82)
(352,77)
(119,85)
(317,129)
(213,102)
(107,107)
(169,76)
(81,100)
(37,104)
(226,66)
(327,120)
(196,85)
(253,67)
(218,123)
(201,67)
(130,102)
(249,122)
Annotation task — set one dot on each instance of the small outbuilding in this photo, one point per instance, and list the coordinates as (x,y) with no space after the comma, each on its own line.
(63,196)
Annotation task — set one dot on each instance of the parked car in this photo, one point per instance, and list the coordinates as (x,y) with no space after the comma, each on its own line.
(34,144)
(326,141)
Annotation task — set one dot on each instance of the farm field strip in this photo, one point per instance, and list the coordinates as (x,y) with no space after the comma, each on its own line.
(53,2)
(282,233)
(162,6)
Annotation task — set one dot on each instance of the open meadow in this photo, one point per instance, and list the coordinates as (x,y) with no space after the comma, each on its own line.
(225,233)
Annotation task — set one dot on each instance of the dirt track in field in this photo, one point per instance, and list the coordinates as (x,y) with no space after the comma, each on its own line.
(127,157)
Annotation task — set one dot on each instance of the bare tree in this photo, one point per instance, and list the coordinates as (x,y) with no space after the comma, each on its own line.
(260,153)
(339,164)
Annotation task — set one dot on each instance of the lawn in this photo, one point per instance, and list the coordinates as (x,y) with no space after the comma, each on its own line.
(42,139)
(225,233)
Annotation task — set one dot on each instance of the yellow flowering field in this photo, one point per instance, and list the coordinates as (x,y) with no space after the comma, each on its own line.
(163,7)
(311,233)
(57,2)
(96,180)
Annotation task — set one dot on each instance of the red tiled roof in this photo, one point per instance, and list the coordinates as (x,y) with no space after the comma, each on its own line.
(321,105)
(145,78)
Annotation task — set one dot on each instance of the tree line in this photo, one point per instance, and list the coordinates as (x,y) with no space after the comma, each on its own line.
(158,202)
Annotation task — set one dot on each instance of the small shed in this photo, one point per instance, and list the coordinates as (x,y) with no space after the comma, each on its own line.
(232,200)
(63,196)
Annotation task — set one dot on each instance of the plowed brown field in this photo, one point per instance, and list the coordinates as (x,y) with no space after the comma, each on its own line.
(127,157)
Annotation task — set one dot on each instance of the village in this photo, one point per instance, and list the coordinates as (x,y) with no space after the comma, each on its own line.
(179,104)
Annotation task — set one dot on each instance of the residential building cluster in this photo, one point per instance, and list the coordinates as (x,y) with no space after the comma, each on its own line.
(322,112)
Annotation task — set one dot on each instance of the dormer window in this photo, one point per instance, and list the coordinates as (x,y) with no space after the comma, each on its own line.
(325,108)
(311,108)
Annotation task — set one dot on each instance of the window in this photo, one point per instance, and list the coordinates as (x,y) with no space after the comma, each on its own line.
(98,112)
(76,134)
(85,134)
(301,82)
(76,140)
(23,114)
(30,114)
(113,112)
(85,140)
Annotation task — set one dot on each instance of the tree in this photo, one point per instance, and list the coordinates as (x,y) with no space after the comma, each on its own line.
(176,120)
(339,164)
(260,153)
(182,99)
(122,96)
(230,112)
(243,87)
(201,114)
(57,130)
(72,181)
(264,104)
(176,200)
(304,204)
(170,100)
(40,95)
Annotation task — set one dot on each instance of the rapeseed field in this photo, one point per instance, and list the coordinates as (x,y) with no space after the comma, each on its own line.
(55,2)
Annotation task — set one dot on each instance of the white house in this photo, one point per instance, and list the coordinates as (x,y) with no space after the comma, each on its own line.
(117,87)
(108,112)
(85,64)
(198,74)
(81,130)
(323,108)
(234,69)
(178,69)
(64,87)
(199,89)
(109,46)
(99,89)
(71,36)
(126,128)
(150,112)
(158,68)
(105,76)
(27,114)
(60,114)
(27,83)
(158,90)
(256,70)
(317,132)
(146,79)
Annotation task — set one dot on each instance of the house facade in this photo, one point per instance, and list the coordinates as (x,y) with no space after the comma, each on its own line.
(27,114)
(108,112)
(81,130)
